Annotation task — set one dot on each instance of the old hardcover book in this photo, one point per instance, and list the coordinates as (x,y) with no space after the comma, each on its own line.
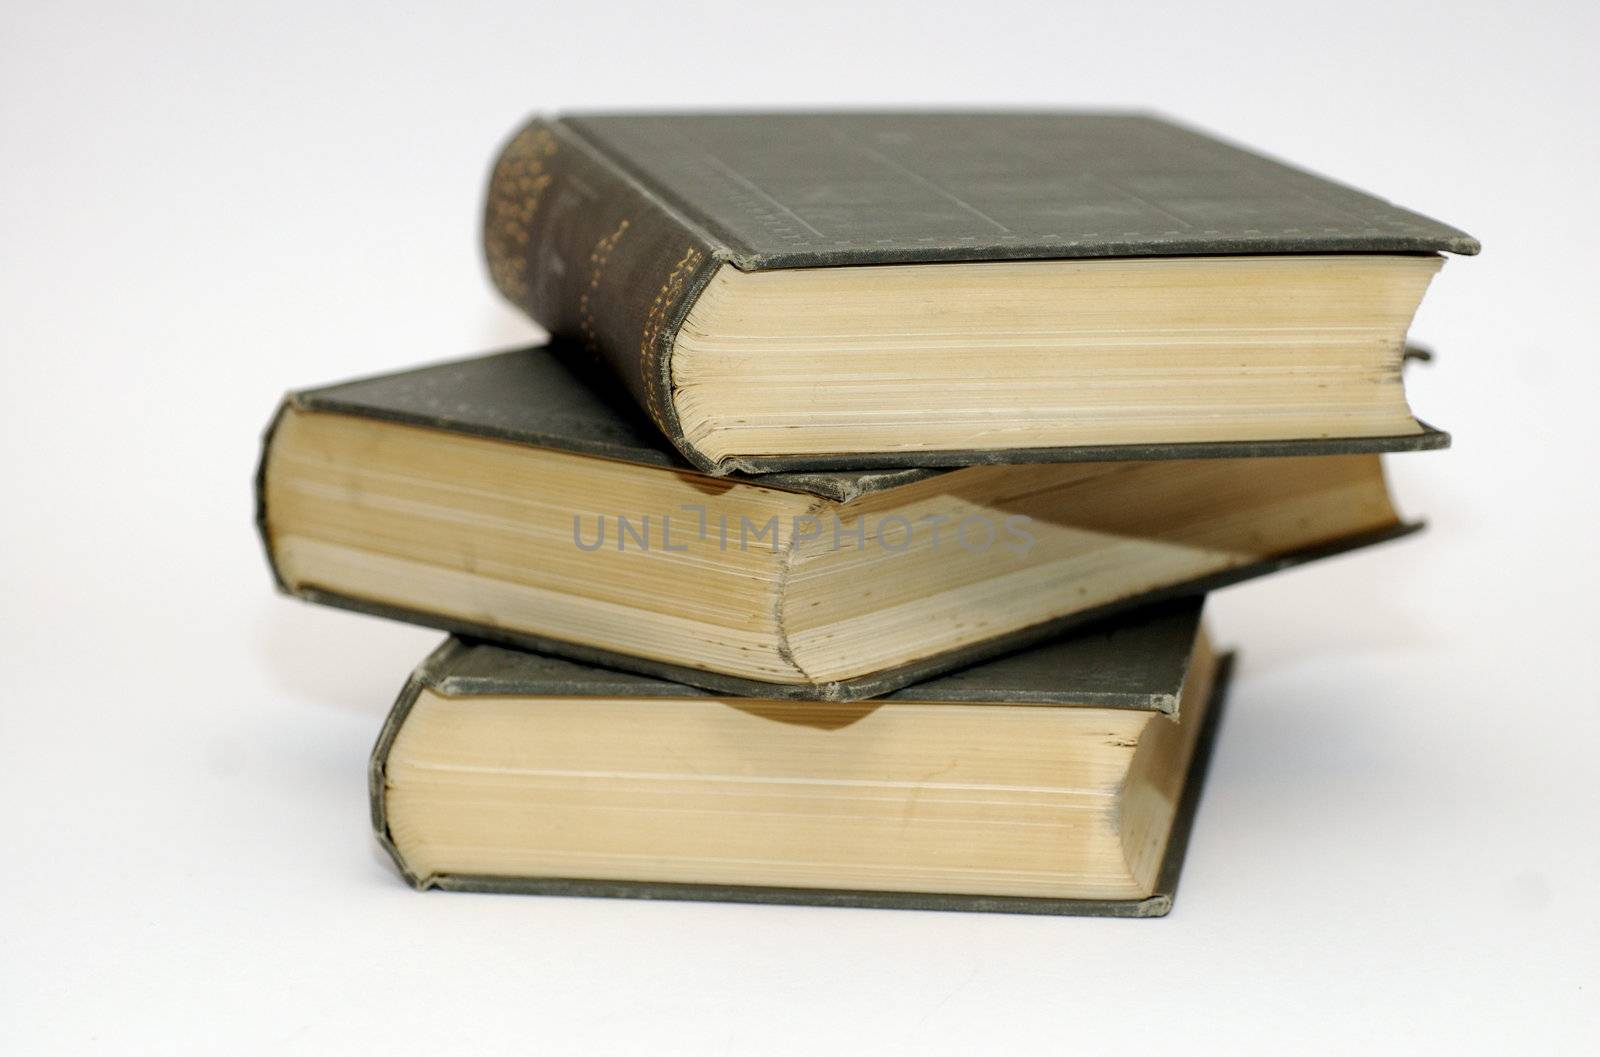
(503,498)
(1060,780)
(811,291)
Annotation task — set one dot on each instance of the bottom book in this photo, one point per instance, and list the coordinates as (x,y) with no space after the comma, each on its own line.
(1061,780)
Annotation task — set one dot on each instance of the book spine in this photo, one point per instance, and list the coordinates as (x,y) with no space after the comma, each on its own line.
(591,254)
(427,674)
(259,491)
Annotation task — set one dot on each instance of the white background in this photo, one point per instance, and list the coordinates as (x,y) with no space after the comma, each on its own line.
(204,205)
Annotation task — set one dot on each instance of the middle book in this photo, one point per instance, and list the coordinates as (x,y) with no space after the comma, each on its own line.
(502,498)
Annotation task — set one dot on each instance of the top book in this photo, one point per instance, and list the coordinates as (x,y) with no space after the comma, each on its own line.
(813,291)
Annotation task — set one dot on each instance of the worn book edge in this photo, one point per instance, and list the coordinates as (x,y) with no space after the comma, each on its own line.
(1157,904)
(860,688)
(473,666)
(616,430)
(1429,439)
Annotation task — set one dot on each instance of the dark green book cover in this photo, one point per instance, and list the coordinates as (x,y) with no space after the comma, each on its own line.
(605,228)
(1137,662)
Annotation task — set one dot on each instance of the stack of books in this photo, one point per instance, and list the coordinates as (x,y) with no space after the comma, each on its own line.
(848,542)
